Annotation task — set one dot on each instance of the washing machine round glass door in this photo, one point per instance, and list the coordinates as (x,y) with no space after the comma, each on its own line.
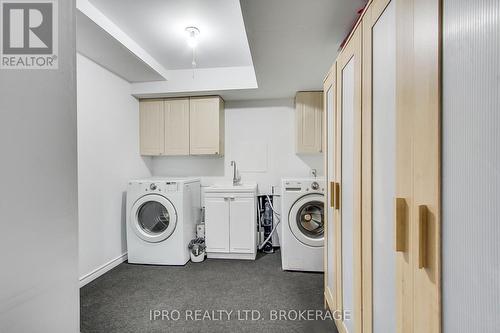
(306,220)
(153,218)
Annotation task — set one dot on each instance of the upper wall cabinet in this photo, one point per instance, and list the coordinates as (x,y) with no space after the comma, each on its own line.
(206,125)
(182,126)
(151,127)
(309,122)
(176,126)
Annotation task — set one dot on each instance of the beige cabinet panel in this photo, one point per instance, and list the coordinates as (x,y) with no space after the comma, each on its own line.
(206,126)
(329,128)
(309,122)
(348,172)
(176,126)
(151,127)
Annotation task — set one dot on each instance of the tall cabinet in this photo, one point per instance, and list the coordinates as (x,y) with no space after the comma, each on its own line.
(383,165)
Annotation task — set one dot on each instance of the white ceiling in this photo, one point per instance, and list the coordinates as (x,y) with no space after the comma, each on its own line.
(293,43)
(248,49)
(158,26)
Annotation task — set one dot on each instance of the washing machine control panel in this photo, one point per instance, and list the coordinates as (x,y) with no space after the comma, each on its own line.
(304,186)
(153,187)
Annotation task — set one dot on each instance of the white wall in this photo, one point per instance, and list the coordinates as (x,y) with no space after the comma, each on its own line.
(471,166)
(38,193)
(260,137)
(108,156)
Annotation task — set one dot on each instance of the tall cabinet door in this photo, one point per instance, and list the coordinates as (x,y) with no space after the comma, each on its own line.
(176,126)
(349,173)
(426,212)
(379,169)
(217,224)
(151,127)
(242,225)
(329,123)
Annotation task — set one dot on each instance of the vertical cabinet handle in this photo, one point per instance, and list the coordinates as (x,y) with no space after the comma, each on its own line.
(423,213)
(400,224)
(336,196)
(332,194)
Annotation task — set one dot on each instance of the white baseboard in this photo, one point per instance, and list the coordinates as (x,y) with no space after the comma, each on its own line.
(87,278)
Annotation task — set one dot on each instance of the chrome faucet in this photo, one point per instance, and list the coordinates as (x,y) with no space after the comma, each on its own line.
(236,178)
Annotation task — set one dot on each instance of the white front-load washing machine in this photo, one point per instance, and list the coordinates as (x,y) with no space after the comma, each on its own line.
(161,220)
(302,214)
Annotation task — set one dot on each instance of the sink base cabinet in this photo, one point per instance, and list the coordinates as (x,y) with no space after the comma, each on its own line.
(230,225)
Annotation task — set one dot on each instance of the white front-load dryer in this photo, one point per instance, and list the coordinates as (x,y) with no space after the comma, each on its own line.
(161,220)
(302,216)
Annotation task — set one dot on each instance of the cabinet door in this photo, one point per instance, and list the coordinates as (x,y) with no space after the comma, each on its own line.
(349,170)
(309,114)
(379,168)
(151,127)
(206,126)
(217,224)
(176,126)
(329,125)
(242,225)
(426,212)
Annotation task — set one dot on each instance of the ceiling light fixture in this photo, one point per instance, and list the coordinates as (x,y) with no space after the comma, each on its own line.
(192,38)
(192,41)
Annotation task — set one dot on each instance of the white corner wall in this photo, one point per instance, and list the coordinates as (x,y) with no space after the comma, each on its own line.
(108,156)
(38,193)
(471,166)
(260,137)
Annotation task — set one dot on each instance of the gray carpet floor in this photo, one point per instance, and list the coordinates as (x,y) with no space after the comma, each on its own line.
(124,299)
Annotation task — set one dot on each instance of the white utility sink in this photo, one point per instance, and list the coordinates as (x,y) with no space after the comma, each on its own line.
(229,187)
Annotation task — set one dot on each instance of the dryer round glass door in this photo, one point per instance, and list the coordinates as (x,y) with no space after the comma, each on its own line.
(153,218)
(306,220)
